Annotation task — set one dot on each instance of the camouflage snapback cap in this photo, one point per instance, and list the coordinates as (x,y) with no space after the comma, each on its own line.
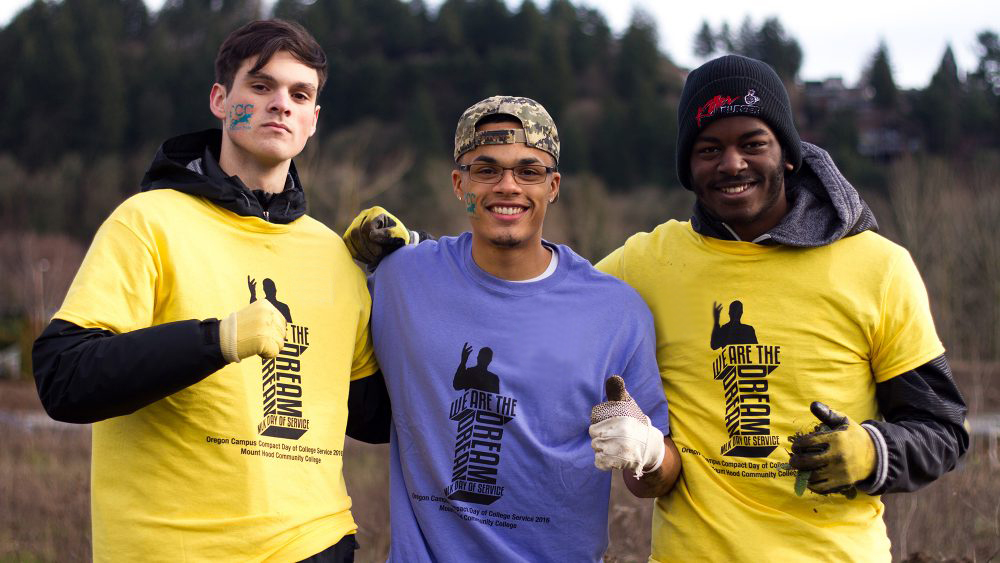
(539,131)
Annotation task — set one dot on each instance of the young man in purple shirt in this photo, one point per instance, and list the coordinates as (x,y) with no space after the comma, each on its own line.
(495,346)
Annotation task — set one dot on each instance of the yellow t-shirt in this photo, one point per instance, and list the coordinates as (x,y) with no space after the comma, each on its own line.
(246,464)
(794,326)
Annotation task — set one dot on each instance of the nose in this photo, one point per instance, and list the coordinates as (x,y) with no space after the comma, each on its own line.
(732,162)
(280,102)
(507,185)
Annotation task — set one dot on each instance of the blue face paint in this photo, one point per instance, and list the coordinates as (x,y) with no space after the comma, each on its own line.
(239,116)
(470,203)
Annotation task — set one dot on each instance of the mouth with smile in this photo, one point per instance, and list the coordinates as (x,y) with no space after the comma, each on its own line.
(736,188)
(507,211)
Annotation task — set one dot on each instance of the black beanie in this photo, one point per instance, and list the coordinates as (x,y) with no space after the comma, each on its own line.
(733,86)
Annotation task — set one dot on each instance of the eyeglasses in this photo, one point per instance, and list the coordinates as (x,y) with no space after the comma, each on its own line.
(487,173)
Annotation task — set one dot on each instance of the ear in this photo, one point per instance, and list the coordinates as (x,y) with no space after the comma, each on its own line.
(789,166)
(312,130)
(456,183)
(217,101)
(554,187)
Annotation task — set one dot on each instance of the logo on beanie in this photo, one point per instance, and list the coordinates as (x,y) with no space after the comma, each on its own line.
(724,105)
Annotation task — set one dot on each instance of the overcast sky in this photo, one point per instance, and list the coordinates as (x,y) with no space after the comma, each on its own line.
(837,39)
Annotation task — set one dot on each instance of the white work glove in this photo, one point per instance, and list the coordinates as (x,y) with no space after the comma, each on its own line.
(622,435)
(257,329)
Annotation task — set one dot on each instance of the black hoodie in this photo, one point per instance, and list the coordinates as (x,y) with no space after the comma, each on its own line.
(86,375)
(922,435)
(190,164)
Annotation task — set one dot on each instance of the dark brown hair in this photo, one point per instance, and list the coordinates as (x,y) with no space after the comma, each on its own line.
(262,39)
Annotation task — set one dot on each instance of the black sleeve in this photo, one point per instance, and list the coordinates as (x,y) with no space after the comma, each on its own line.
(369,412)
(86,375)
(923,428)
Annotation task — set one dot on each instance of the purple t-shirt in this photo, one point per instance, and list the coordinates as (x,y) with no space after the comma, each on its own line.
(492,383)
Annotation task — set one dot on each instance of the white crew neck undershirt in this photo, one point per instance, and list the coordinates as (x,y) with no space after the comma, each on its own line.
(553,264)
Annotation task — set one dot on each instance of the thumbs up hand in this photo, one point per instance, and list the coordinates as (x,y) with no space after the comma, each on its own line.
(257,329)
(622,435)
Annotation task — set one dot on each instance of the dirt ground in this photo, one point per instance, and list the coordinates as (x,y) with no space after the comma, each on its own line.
(45,478)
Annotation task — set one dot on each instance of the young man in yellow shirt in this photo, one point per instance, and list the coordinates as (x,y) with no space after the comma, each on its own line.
(829,342)
(219,439)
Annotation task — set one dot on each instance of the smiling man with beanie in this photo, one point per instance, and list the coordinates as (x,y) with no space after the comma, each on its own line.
(829,350)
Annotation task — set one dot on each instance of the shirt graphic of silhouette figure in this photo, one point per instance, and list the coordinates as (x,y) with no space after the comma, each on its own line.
(271,294)
(476,377)
(733,332)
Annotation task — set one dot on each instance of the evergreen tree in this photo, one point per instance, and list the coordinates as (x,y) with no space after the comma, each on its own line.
(775,47)
(642,87)
(988,68)
(554,72)
(638,61)
(96,77)
(99,28)
(704,41)
(66,66)
(724,40)
(745,39)
(486,25)
(590,42)
(769,43)
(449,34)
(940,105)
(529,27)
(879,78)
(981,113)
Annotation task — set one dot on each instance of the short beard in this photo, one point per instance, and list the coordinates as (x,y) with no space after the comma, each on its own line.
(505,241)
(777,180)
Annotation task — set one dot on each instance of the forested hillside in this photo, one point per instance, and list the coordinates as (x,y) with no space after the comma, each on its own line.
(92,87)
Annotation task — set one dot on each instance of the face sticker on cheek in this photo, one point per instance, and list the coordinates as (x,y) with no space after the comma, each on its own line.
(239,116)
(470,203)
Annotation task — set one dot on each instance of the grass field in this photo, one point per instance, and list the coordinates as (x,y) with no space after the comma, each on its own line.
(44,497)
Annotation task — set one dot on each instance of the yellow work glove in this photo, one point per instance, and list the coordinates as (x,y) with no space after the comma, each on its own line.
(255,330)
(621,434)
(839,455)
(374,234)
